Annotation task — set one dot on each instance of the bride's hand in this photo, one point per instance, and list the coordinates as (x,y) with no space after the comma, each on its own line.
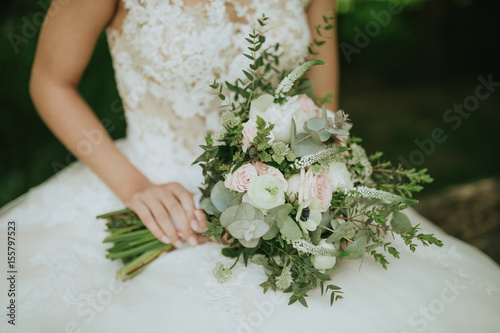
(158,206)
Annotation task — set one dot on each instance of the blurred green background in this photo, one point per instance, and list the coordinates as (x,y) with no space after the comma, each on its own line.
(396,84)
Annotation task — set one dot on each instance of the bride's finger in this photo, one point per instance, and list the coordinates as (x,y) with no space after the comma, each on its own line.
(147,218)
(201,218)
(162,218)
(185,198)
(177,213)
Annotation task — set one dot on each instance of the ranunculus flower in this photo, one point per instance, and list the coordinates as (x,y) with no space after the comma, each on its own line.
(265,192)
(264,169)
(241,178)
(340,176)
(279,115)
(309,214)
(318,186)
(324,262)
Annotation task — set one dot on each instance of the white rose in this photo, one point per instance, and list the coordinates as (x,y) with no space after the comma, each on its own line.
(265,192)
(279,115)
(324,262)
(340,176)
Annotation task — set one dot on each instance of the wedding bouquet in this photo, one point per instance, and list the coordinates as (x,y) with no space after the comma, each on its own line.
(287,186)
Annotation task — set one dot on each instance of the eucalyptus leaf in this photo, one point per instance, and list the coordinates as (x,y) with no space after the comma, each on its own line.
(236,200)
(340,232)
(400,222)
(249,244)
(209,208)
(316,236)
(327,219)
(245,211)
(228,216)
(239,228)
(279,213)
(316,138)
(221,196)
(307,146)
(357,249)
(337,131)
(290,229)
(318,125)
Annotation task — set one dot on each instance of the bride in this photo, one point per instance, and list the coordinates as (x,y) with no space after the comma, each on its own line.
(165,54)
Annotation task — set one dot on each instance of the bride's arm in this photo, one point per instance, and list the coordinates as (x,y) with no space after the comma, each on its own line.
(66,43)
(325,79)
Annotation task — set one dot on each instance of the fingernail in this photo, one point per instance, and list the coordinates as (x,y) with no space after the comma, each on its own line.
(195,226)
(165,240)
(192,241)
(199,215)
(178,244)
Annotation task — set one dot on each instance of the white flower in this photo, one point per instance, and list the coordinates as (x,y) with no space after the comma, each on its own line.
(284,280)
(265,192)
(324,262)
(309,214)
(340,176)
(221,273)
(264,169)
(279,115)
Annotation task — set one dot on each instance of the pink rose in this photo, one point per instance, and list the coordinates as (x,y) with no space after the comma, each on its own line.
(264,169)
(250,132)
(318,186)
(308,108)
(241,178)
(261,168)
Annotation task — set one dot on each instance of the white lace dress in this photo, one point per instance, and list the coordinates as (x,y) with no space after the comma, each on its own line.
(165,56)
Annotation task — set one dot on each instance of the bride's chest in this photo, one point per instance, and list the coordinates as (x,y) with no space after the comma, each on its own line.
(182,30)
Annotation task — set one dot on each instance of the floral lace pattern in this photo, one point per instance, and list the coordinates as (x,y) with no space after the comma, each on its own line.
(166,55)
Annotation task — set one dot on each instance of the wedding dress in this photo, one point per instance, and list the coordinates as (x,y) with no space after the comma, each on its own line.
(165,56)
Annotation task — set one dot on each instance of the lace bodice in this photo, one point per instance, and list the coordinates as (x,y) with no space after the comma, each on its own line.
(166,55)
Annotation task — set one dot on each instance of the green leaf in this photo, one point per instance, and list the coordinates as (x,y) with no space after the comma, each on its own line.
(306,146)
(400,222)
(221,196)
(357,249)
(238,228)
(289,228)
(248,75)
(230,252)
(279,213)
(245,211)
(228,216)
(318,126)
(236,200)
(302,301)
(340,232)
(209,208)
